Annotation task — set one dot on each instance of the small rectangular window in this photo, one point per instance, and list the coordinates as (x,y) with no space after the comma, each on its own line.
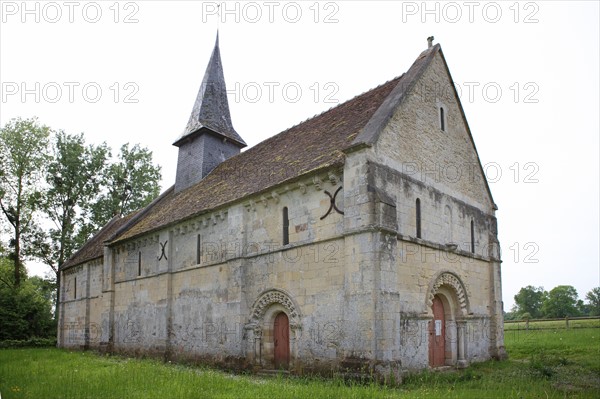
(139,263)
(286,227)
(74,287)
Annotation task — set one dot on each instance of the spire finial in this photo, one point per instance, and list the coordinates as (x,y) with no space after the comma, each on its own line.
(211,109)
(218,19)
(430,41)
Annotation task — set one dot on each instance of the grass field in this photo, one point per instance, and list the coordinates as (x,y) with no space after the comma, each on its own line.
(552,325)
(548,363)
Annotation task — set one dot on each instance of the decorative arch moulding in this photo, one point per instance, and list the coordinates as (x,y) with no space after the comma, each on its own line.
(449,279)
(271,297)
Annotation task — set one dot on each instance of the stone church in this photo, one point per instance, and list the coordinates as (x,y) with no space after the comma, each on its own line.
(363,240)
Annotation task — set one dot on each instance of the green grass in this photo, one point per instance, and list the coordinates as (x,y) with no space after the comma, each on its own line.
(543,364)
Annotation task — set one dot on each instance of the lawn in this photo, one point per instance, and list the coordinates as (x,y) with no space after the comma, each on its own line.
(549,363)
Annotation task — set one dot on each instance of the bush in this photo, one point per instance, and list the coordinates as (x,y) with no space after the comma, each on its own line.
(25,310)
(28,343)
(526,316)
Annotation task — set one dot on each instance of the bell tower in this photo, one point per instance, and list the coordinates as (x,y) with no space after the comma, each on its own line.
(209,137)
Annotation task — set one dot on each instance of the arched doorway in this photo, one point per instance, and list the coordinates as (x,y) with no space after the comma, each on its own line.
(281,341)
(273,330)
(448,305)
(437,334)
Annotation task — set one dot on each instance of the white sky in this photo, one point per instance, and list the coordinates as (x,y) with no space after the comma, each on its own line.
(543,56)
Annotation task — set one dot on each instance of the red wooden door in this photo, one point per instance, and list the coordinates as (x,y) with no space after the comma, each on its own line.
(281,335)
(437,335)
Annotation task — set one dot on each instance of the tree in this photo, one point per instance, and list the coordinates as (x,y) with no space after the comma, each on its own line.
(526,316)
(529,300)
(23,156)
(561,302)
(74,182)
(593,298)
(132,183)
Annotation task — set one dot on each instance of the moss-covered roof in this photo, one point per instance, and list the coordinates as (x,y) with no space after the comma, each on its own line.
(314,144)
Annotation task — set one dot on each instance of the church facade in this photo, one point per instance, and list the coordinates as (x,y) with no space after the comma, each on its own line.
(361,240)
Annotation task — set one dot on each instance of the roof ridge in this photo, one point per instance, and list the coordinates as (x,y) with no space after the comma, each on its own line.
(91,241)
(314,143)
(139,214)
(371,131)
(322,113)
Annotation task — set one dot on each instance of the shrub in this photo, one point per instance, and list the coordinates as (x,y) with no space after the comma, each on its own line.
(28,343)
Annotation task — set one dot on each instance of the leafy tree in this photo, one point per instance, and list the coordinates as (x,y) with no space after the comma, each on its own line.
(593,298)
(529,300)
(23,156)
(74,182)
(79,195)
(561,302)
(132,183)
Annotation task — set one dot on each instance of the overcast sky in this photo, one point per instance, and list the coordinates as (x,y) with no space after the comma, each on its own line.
(528,73)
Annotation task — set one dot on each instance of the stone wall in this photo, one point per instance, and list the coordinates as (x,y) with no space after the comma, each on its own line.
(415,158)
(414,144)
(81,305)
(160,294)
(200,155)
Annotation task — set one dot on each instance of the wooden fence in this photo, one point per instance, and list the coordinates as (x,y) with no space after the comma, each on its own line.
(550,324)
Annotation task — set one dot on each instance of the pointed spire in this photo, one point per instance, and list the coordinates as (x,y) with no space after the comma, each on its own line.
(211,109)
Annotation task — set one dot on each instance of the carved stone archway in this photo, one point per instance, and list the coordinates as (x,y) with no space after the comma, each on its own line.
(274,296)
(259,329)
(449,288)
(451,280)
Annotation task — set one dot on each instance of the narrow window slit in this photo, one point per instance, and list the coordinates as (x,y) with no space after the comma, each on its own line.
(286,227)
(418,213)
(472,236)
(442,121)
(198,249)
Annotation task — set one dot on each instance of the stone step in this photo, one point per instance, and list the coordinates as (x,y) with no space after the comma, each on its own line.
(442,368)
(271,373)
